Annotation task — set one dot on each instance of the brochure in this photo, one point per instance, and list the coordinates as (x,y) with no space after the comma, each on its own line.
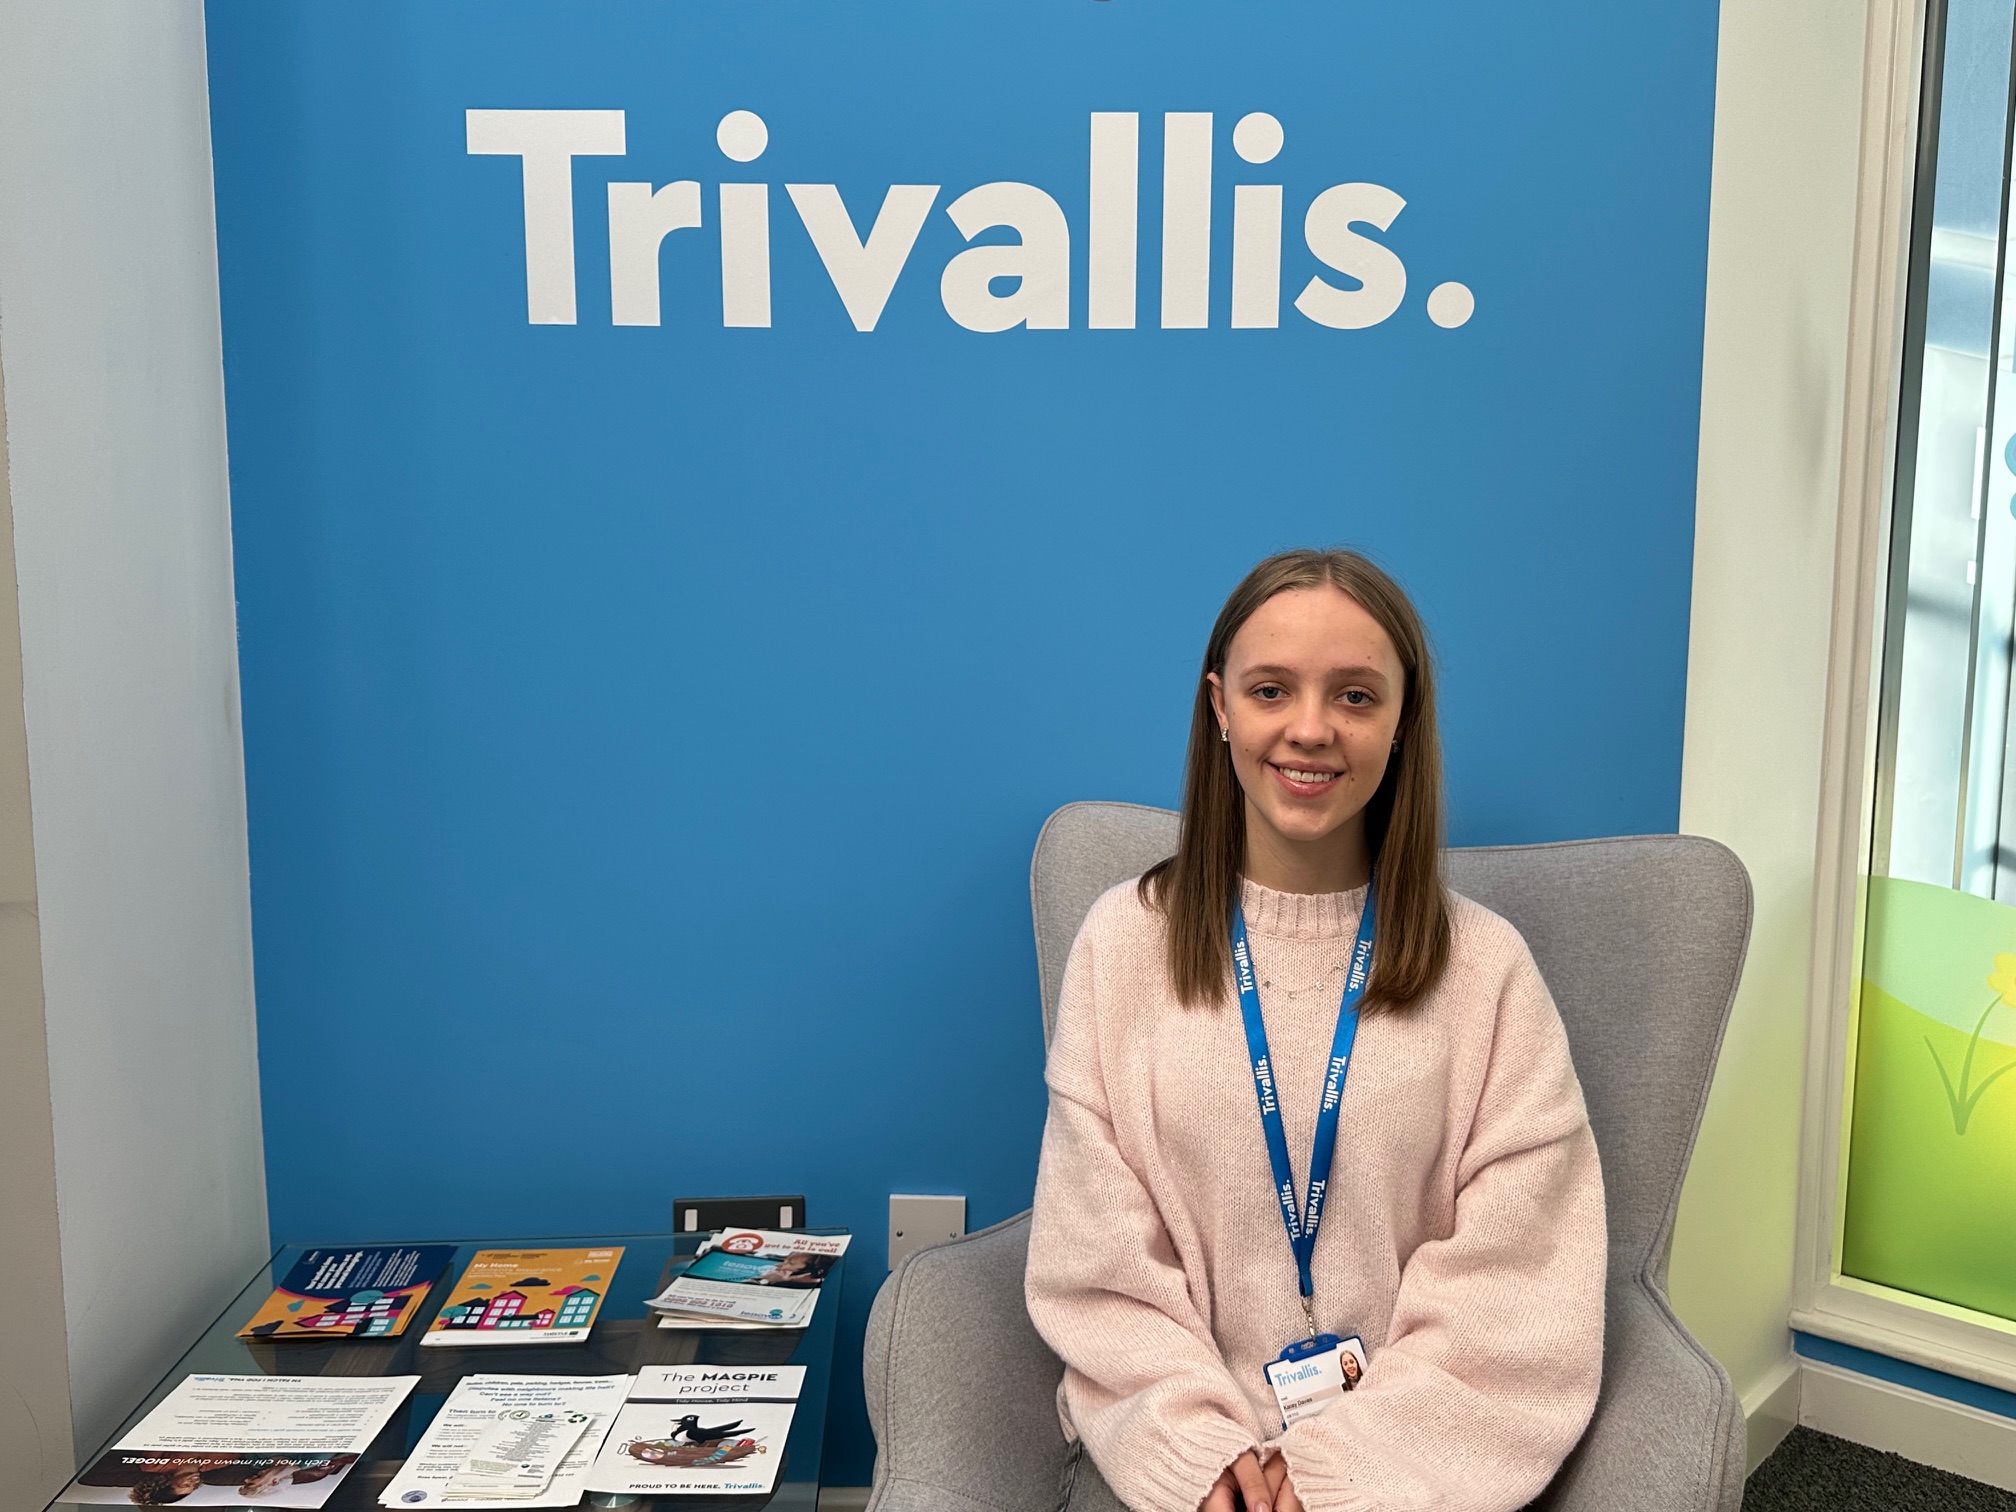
(699,1321)
(510,1441)
(754,1276)
(370,1291)
(700,1430)
(219,1440)
(525,1297)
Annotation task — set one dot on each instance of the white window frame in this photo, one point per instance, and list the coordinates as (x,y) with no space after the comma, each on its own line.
(1956,1340)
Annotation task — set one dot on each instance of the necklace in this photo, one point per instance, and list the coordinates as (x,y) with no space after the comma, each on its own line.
(1267,983)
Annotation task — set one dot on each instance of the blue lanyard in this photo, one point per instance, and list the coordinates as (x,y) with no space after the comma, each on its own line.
(1302,1222)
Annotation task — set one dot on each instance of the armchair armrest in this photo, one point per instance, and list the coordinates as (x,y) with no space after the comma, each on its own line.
(1668,1435)
(962,1390)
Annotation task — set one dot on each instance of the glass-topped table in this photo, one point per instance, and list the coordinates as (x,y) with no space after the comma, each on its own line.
(626,1336)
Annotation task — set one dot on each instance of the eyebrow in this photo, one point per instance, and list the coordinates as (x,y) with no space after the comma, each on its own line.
(1273,670)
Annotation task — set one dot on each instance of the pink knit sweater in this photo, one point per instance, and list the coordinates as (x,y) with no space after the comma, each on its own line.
(1463,1238)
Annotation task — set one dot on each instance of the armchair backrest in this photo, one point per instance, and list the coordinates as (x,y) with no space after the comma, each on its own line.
(1641,941)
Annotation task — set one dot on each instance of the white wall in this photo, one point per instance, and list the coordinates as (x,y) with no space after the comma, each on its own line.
(111,354)
(35,1440)
(1788,127)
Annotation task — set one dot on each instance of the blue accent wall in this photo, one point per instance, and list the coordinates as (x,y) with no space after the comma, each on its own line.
(646,728)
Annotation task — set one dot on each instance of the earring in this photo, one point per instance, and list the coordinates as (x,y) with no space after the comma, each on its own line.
(1225,733)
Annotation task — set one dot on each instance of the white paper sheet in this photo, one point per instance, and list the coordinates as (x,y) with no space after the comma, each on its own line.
(478,1404)
(515,1458)
(221,1440)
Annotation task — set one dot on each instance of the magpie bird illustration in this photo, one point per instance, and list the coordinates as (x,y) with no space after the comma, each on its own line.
(688,1428)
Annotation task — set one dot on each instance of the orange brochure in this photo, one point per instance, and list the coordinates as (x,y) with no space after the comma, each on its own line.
(526,1296)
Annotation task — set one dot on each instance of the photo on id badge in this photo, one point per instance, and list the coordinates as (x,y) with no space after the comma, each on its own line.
(1309,1376)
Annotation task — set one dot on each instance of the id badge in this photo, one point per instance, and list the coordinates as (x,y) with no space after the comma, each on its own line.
(1312,1373)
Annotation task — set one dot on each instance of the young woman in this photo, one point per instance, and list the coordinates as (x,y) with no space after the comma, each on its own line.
(1204,1042)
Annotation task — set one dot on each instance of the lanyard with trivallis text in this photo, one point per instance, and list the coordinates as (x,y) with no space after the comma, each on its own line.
(1302,1220)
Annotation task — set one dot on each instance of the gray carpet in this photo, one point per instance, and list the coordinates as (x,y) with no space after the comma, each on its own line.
(1812,1472)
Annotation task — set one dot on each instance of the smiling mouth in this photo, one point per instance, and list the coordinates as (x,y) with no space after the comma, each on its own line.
(1305,776)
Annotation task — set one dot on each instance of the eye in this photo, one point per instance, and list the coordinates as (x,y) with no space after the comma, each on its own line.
(1358,698)
(1269,692)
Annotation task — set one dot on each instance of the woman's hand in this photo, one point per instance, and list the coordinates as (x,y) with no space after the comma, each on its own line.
(1242,1484)
(1281,1490)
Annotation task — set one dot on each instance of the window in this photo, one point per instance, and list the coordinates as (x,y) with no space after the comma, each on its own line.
(1928,1205)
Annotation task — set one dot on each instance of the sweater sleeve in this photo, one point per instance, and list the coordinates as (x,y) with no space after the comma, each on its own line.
(1144,1384)
(1490,1368)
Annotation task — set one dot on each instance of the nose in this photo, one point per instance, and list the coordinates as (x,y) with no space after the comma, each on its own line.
(1309,728)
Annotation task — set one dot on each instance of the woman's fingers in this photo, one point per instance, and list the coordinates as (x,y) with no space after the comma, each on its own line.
(1220,1497)
(1285,1499)
(1276,1471)
(1252,1483)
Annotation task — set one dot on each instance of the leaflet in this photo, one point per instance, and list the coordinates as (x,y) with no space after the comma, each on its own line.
(514,1460)
(510,1441)
(716,1325)
(525,1297)
(216,1440)
(700,1430)
(366,1291)
(755,1276)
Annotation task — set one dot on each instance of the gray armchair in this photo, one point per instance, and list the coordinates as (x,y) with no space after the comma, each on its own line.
(1640,940)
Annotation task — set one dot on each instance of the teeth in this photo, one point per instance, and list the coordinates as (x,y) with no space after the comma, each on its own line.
(1294,776)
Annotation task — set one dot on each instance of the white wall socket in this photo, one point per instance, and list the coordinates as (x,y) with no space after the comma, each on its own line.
(917,1221)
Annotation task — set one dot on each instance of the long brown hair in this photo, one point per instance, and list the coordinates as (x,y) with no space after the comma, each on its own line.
(1197,888)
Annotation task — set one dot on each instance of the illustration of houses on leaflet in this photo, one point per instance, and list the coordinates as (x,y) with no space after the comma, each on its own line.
(363,1314)
(506,1310)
